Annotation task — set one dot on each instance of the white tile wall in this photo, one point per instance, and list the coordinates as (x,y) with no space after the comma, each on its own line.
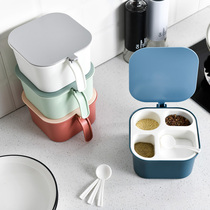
(6,101)
(9,64)
(203,4)
(181,9)
(13,12)
(104,19)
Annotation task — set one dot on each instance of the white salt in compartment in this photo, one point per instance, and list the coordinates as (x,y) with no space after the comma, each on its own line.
(184,135)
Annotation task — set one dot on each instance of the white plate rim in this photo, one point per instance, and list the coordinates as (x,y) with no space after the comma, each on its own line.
(42,164)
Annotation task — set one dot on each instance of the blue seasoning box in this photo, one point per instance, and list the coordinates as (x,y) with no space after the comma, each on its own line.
(163,75)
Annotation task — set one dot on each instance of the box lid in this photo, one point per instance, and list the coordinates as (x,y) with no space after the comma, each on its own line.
(163,74)
(49,39)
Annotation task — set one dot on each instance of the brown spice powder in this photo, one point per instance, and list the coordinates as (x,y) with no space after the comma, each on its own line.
(177,120)
(144,149)
(147,124)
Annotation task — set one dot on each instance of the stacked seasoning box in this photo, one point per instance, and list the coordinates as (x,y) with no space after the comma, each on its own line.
(54,67)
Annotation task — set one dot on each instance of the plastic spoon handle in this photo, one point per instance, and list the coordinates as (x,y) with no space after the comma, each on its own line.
(188,147)
(82,102)
(93,194)
(86,192)
(101,194)
(86,127)
(78,74)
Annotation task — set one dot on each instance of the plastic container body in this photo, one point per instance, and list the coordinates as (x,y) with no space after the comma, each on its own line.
(172,163)
(64,128)
(53,78)
(163,169)
(57,104)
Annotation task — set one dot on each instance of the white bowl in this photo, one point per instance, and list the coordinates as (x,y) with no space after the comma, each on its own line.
(26,183)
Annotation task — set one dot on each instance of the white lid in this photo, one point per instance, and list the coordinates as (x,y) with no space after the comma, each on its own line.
(47,40)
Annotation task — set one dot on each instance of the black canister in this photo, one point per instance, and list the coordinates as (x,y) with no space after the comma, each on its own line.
(135,26)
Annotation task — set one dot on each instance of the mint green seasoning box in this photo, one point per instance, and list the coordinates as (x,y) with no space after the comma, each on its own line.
(58,104)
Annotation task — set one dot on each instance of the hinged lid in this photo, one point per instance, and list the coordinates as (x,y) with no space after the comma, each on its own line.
(49,39)
(163,74)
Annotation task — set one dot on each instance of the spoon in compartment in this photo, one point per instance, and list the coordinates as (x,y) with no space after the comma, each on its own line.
(169,142)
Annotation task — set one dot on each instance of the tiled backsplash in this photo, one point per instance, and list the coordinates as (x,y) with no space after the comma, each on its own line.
(104,19)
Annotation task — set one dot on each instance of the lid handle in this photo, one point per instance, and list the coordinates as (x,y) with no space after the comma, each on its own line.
(86,127)
(78,73)
(83,103)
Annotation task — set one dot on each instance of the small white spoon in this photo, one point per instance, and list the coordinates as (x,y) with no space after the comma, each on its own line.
(89,188)
(94,192)
(169,142)
(103,172)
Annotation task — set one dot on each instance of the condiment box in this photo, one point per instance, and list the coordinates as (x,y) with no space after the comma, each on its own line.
(163,75)
(60,103)
(62,129)
(52,51)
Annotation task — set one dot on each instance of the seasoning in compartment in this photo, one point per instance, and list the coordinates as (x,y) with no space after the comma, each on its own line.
(144,149)
(147,124)
(177,120)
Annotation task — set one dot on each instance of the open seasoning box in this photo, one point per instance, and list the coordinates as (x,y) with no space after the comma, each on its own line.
(58,104)
(163,75)
(64,128)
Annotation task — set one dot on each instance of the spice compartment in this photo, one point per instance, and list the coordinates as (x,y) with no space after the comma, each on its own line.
(183,113)
(182,138)
(188,134)
(143,138)
(147,114)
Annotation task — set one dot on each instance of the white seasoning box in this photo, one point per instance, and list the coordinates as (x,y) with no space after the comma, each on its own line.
(52,51)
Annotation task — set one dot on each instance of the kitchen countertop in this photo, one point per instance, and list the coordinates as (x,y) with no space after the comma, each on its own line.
(74,162)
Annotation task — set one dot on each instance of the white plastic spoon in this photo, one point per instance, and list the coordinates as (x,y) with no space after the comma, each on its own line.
(103,172)
(93,194)
(95,184)
(86,192)
(78,73)
(169,142)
